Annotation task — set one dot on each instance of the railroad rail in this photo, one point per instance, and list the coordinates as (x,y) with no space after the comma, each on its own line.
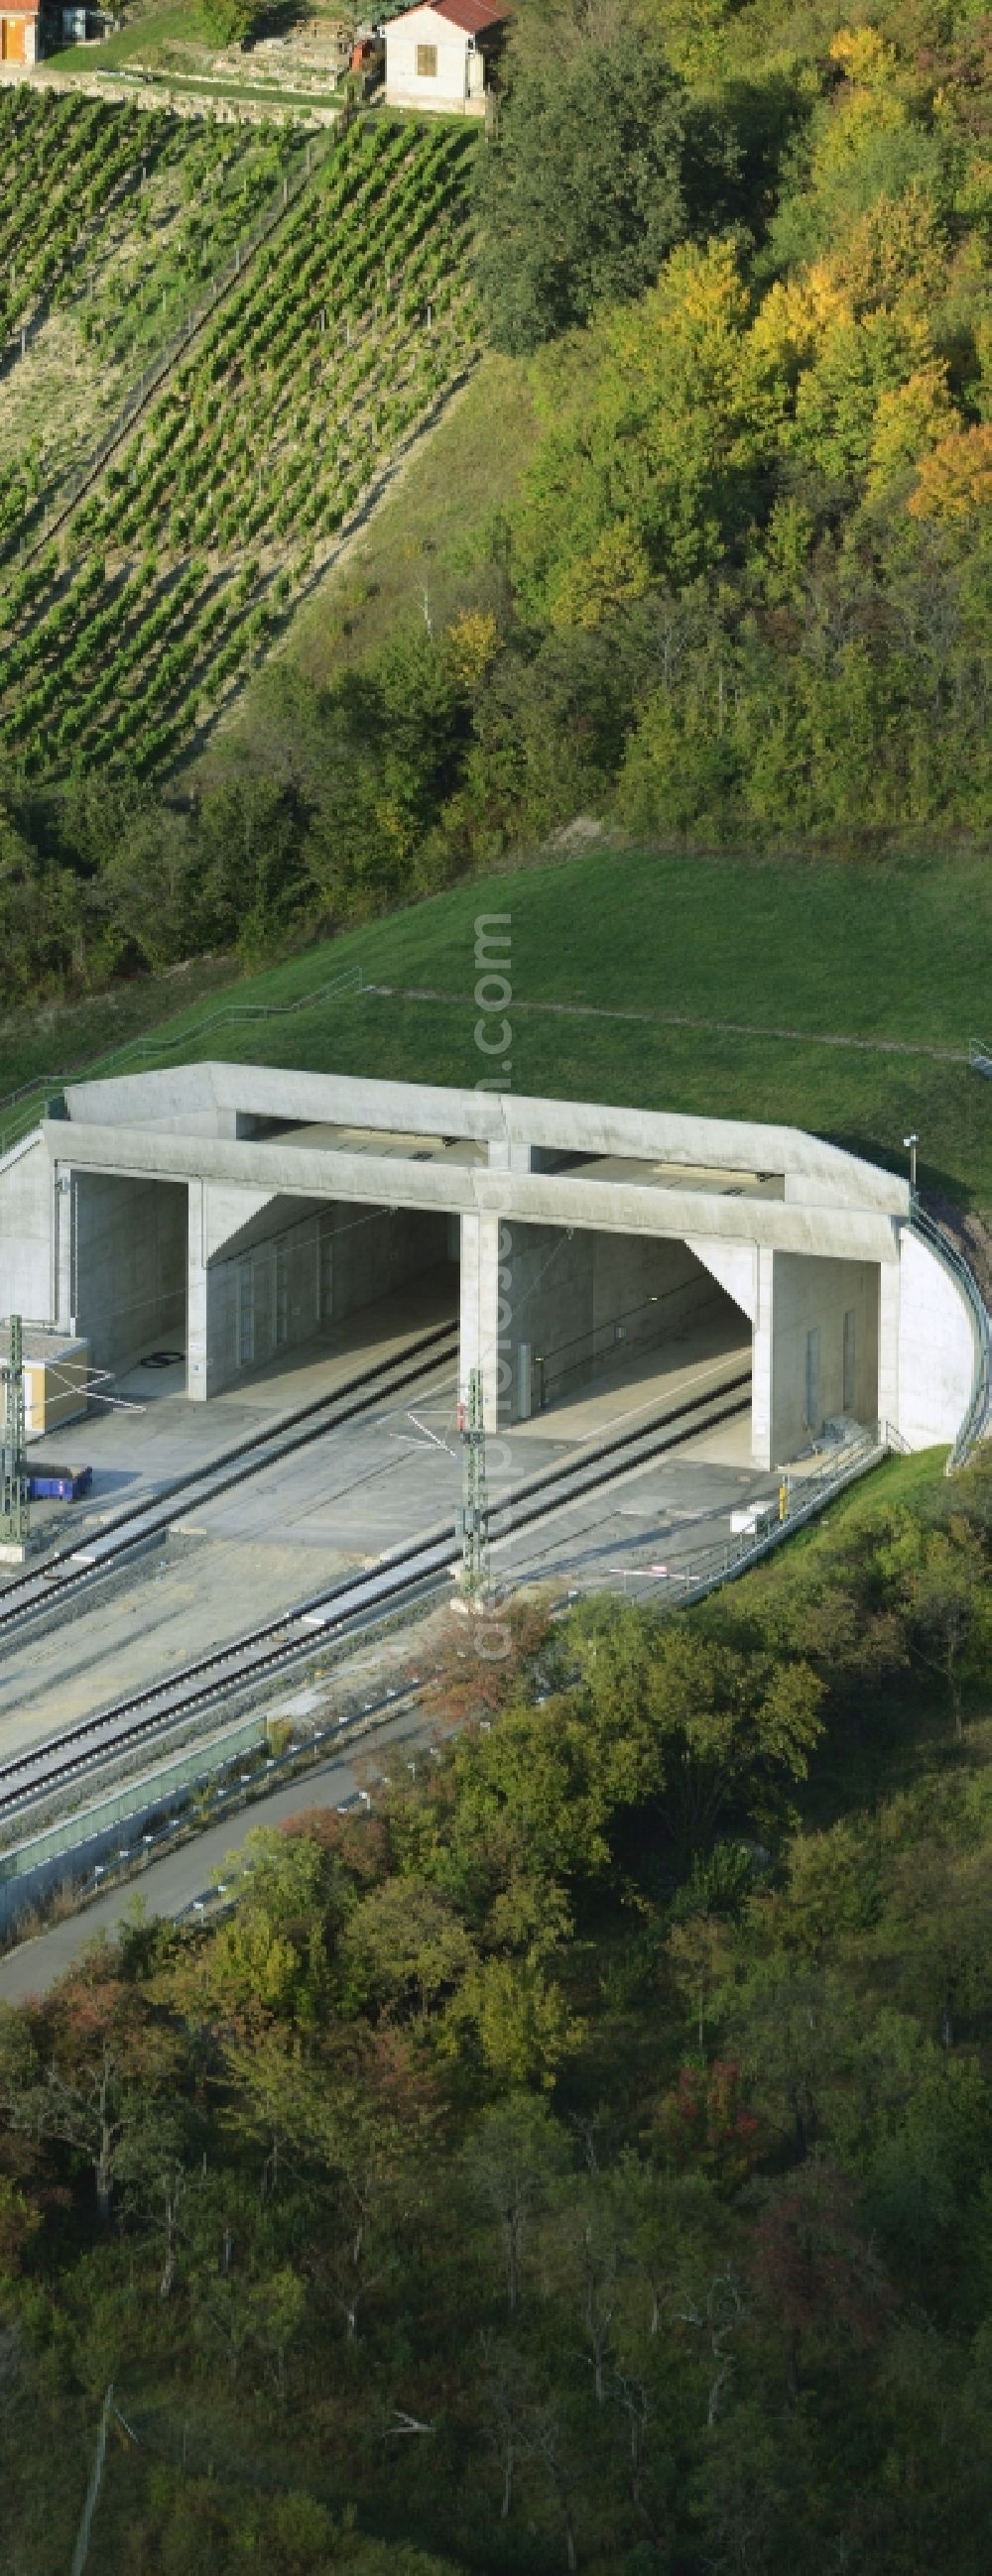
(69,1569)
(399,1578)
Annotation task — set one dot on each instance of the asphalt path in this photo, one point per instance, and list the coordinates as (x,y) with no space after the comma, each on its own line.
(171,1885)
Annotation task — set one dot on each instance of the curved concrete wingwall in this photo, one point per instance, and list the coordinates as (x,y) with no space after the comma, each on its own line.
(25,1229)
(938,1347)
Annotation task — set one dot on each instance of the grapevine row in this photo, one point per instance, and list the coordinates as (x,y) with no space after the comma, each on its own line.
(171,575)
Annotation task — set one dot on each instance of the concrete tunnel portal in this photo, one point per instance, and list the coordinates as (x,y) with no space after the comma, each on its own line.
(549,1314)
(125,1249)
(246,1212)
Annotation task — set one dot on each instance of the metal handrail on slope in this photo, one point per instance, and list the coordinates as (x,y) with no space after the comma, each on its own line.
(13,1131)
(973,1421)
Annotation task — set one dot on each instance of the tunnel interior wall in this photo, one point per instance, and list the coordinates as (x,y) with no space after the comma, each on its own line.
(574,1305)
(374,1251)
(128,1263)
(301,1267)
(824,1346)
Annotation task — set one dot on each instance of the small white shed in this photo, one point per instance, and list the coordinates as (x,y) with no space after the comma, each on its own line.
(442,55)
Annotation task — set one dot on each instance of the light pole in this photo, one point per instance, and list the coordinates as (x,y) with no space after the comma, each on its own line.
(911,1143)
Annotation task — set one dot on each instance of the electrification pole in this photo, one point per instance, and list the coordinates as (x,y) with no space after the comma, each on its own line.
(474,1514)
(13,1452)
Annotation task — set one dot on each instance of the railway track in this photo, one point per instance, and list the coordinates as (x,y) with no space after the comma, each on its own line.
(403,1576)
(70,1569)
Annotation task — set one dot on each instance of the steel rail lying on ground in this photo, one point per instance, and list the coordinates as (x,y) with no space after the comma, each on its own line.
(349,1604)
(70,1567)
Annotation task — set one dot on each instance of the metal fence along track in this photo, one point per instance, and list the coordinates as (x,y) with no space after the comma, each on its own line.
(347,1607)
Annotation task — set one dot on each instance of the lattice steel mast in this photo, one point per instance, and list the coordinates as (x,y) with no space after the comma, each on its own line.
(473,1518)
(13,1448)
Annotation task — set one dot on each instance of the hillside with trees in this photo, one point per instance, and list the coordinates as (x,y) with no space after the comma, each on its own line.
(740,593)
(579,2161)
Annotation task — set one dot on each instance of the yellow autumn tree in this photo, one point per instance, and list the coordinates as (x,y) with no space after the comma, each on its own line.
(793,321)
(955,479)
(473,641)
(910,420)
(897,249)
(616,569)
(864,56)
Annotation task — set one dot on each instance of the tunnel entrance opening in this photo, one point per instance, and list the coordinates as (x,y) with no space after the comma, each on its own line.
(303,1280)
(127,1288)
(600,1319)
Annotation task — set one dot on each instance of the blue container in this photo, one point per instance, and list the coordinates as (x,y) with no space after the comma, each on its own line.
(51,1484)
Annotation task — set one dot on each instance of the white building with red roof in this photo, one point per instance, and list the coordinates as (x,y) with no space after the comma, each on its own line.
(442,55)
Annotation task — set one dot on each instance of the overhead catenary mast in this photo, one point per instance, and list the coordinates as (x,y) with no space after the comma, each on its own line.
(473,1518)
(13,1449)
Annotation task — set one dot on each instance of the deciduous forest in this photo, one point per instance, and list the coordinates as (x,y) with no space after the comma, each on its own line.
(580,2159)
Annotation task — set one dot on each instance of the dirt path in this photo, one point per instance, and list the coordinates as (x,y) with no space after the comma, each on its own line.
(683,1020)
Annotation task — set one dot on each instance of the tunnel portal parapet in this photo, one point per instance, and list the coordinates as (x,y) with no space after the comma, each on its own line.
(572,1223)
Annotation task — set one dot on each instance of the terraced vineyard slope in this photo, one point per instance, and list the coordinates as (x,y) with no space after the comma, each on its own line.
(113,223)
(117,641)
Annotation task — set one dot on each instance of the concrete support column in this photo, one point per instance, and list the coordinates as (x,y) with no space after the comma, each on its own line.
(504,1157)
(761,1363)
(816,1350)
(63,1223)
(196,1297)
(888,1343)
(481,1313)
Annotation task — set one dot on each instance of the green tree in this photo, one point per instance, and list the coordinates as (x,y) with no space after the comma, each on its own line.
(580,192)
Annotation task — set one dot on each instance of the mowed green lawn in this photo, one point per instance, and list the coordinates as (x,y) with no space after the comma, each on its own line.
(896,951)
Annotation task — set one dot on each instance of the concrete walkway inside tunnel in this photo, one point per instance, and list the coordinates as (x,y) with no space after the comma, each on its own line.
(704,1355)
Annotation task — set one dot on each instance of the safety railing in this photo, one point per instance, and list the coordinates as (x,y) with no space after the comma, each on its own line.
(113,1839)
(74,1834)
(974,1418)
(980,1056)
(19,1111)
(798,1500)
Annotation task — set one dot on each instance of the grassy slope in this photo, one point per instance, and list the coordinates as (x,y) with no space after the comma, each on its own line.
(141,41)
(896,951)
(180,28)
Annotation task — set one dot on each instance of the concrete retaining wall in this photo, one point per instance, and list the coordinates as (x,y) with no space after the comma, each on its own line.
(936,1349)
(26,1284)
